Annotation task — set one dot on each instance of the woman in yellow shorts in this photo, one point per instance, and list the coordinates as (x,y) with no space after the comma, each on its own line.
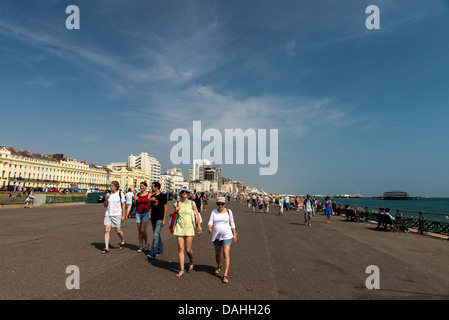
(184,230)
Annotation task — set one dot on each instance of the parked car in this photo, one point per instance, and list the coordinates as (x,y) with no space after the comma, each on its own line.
(7,188)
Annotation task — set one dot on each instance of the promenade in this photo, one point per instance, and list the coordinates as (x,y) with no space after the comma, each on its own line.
(275,258)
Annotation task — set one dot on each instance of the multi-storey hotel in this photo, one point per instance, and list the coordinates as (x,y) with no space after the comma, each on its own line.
(24,169)
(147,163)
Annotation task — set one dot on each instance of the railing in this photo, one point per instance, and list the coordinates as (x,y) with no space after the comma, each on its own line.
(49,199)
(423,222)
(65,199)
(12,200)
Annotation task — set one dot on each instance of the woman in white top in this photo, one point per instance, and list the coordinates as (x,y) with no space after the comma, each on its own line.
(221,225)
(114,216)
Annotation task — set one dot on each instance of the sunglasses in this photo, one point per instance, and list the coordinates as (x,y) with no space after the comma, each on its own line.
(220,204)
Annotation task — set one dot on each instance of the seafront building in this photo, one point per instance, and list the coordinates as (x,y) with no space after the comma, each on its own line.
(147,163)
(34,170)
(172,180)
(208,177)
(26,169)
(196,170)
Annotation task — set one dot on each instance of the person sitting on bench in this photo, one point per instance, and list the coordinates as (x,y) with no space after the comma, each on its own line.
(400,222)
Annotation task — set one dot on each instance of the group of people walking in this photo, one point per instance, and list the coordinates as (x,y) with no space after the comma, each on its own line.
(308,204)
(185,222)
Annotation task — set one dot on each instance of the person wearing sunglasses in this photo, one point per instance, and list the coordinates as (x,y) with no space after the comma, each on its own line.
(221,225)
(188,218)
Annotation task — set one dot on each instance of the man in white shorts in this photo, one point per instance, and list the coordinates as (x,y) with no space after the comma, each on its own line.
(114,216)
(129,196)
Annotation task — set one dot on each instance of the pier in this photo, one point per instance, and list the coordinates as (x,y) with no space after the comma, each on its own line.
(275,258)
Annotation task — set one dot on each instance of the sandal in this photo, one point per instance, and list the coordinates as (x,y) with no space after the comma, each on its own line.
(225,279)
(139,250)
(105,251)
(217,270)
(180,273)
(190,266)
(122,245)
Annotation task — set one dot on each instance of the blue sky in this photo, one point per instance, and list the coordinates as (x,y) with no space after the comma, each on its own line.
(357,110)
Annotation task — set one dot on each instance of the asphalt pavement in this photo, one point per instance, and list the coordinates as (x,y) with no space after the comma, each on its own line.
(275,258)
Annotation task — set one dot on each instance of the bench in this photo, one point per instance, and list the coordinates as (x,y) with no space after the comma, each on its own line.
(352,215)
(385,220)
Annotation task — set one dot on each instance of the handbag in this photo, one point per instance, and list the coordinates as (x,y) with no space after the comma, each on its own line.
(194,218)
(172,224)
(173,220)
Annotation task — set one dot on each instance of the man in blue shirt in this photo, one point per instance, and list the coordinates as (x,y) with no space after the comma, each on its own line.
(287,202)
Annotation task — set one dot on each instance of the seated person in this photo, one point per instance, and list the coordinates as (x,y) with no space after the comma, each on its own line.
(348,212)
(400,222)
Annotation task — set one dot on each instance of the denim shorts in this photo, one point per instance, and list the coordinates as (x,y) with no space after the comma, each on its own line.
(142,217)
(219,243)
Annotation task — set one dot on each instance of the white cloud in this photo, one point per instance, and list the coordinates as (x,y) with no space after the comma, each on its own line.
(295,116)
(290,48)
(171,58)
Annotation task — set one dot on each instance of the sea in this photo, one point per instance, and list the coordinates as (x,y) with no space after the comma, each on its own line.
(433,209)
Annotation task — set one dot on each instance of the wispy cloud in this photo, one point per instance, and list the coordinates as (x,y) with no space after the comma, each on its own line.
(48,82)
(290,48)
(344,21)
(57,45)
(172,59)
(293,116)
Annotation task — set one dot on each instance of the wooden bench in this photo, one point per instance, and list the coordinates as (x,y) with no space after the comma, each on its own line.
(383,219)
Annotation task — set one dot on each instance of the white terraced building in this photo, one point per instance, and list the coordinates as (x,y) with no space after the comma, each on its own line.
(24,169)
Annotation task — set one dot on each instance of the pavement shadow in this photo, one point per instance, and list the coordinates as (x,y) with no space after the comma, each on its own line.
(166,265)
(173,266)
(381,229)
(100,246)
(305,225)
